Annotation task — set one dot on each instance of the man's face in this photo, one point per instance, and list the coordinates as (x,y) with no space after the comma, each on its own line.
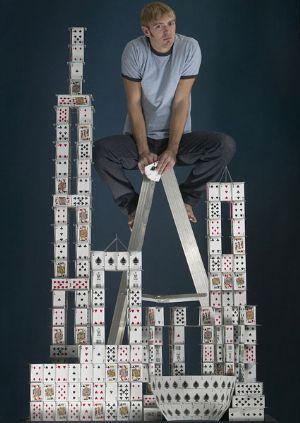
(161,32)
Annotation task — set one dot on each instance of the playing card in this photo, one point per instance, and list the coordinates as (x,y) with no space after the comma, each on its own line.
(123,353)
(60,268)
(61,170)
(79,283)
(99,411)
(219,335)
(218,315)
(62,132)
(98,334)
(58,316)
(62,200)
(83,233)
(110,261)
(36,373)
(239,298)
(61,185)
(239,281)
(58,298)
(81,335)
(99,353)
(80,200)
(176,335)
(215,281)
(98,316)
(250,372)
(227,298)
(36,391)
(155,316)
(250,335)
(229,369)
(135,316)
(124,391)
(84,186)
(74,411)
(99,391)
(229,353)
(74,373)
(239,263)
(215,263)
(111,410)
(86,391)
(123,372)
(214,209)
(214,227)
(238,191)
(219,358)
(82,268)
(86,373)
(84,133)
(136,353)
(135,334)
(225,191)
(135,260)
(250,354)
(135,297)
(111,392)
(49,373)
(136,392)
(81,316)
(85,354)
(207,335)
(36,411)
(228,334)
(58,335)
(214,245)
(134,279)
(215,299)
(178,316)
(60,215)
(151,172)
(213,191)
(61,251)
(98,279)
(61,372)
(248,315)
(62,391)
(82,298)
(111,353)
(62,114)
(85,114)
(123,261)
(136,372)
(237,210)
(136,411)
(76,71)
(82,251)
(177,354)
(208,353)
(86,412)
(98,296)
(83,215)
(238,245)
(177,369)
(99,373)
(84,150)
(111,372)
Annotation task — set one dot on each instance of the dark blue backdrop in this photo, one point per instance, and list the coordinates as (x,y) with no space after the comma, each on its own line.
(248,86)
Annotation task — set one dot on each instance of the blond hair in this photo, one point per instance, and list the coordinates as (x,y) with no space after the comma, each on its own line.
(153,11)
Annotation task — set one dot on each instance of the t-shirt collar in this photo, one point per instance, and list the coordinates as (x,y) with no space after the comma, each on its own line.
(158,53)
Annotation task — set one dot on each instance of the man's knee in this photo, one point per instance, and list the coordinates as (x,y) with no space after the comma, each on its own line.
(228,147)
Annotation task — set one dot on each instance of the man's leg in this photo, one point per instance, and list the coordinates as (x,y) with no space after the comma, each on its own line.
(111,155)
(209,152)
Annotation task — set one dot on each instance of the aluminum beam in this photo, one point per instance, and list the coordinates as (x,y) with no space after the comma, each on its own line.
(136,241)
(166,299)
(186,235)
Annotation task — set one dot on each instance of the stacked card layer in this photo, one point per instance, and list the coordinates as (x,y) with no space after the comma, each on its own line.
(177,341)
(229,341)
(248,402)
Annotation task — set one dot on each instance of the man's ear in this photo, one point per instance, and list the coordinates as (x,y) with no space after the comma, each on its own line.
(146,31)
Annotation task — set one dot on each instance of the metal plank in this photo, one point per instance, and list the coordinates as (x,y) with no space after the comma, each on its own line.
(136,241)
(186,235)
(166,299)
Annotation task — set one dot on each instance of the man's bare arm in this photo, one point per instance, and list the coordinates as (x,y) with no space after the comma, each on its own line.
(179,114)
(133,92)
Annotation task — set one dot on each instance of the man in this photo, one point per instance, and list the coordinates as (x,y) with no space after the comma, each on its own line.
(159,70)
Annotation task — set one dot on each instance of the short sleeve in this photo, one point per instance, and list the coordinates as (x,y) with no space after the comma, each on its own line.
(192,61)
(130,63)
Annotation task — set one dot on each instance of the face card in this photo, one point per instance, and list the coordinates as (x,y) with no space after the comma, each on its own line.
(83,233)
(238,245)
(58,335)
(99,411)
(62,200)
(136,372)
(207,335)
(239,281)
(227,281)
(98,279)
(36,391)
(85,133)
(215,281)
(83,215)
(123,372)
(98,334)
(81,335)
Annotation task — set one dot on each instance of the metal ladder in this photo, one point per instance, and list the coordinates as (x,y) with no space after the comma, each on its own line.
(188,243)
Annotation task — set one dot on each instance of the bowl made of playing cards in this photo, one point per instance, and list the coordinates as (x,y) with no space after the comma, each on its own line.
(193,397)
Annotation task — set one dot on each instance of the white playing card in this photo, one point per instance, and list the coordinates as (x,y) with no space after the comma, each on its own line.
(97,260)
(213,191)
(123,353)
(98,316)
(123,261)
(98,279)
(135,260)
(225,191)
(110,261)
(62,132)
(99,373)
(74,411)
(214,245)
(214,227)
(134,279)
(86,373)
(36,373)
(238,191)
(98,334)
(151,172)
(214,210)
(135,316)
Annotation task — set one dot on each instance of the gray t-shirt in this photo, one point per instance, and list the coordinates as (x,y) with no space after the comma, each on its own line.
(159,74)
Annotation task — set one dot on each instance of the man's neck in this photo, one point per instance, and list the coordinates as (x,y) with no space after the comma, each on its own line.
(160,51)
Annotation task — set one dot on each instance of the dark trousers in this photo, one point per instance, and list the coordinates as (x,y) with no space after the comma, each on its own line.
(209,152)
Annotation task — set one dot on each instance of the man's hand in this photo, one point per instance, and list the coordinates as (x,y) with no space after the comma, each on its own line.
(166,161)
(145,159)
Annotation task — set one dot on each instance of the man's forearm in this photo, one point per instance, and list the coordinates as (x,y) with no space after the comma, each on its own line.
(177,123)
(138,127)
